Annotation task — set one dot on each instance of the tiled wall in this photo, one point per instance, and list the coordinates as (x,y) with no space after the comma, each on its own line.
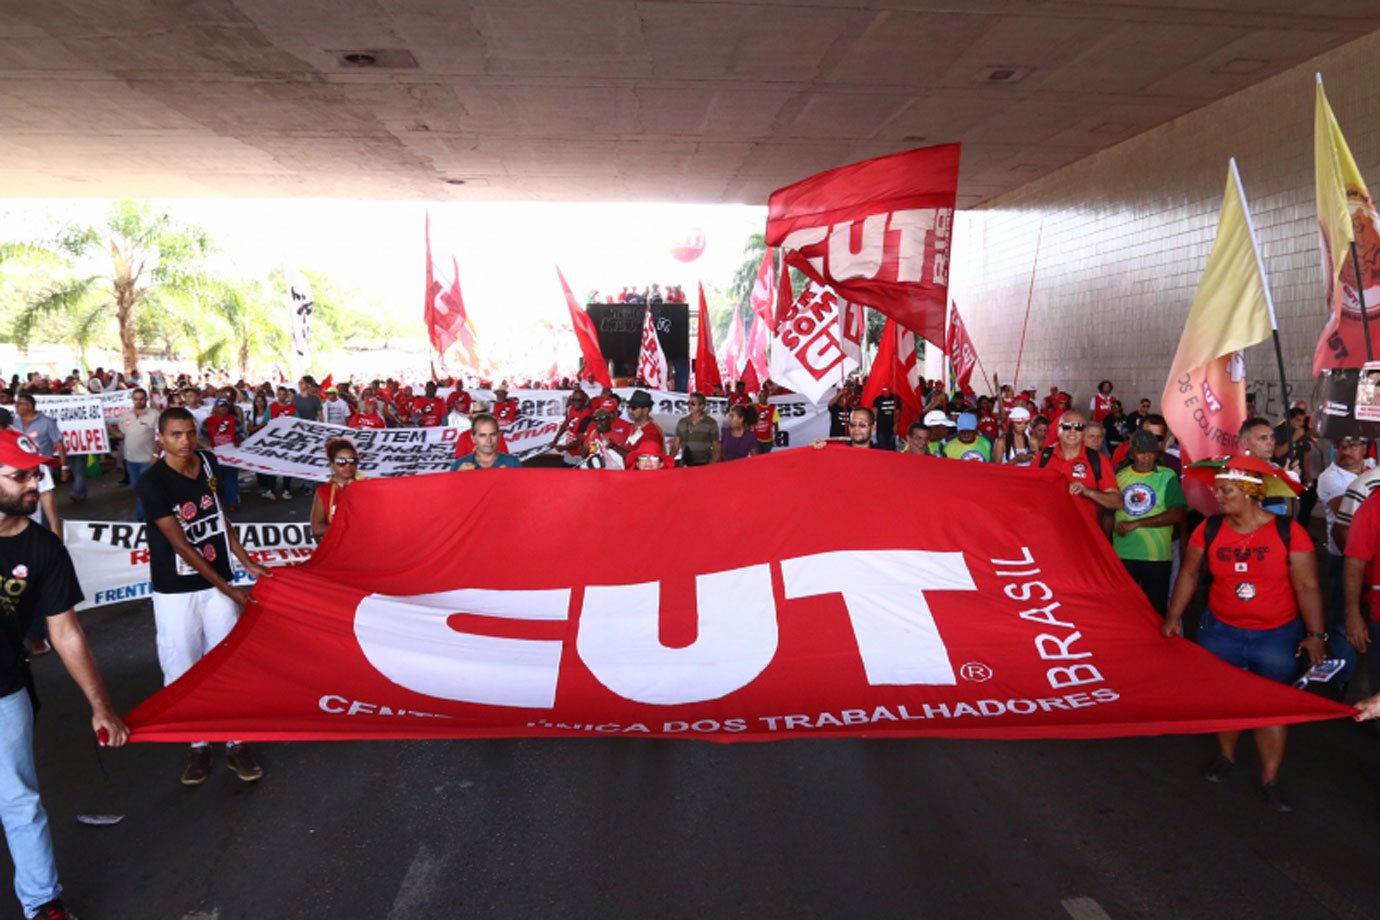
(1123,237)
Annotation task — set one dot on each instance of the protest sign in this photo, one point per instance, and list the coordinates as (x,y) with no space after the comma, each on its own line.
(112,557)
(82,420)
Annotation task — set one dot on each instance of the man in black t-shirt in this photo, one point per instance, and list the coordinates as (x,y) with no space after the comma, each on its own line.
(885,407)
(36,580)
(195,601)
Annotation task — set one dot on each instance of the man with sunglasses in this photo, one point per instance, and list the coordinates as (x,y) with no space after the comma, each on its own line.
(1088,475)
(195,600)
(38,580)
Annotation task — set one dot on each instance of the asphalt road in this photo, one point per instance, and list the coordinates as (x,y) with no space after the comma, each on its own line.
(620,828)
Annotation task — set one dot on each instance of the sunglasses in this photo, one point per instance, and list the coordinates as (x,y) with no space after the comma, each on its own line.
(1070,426)
(346,461)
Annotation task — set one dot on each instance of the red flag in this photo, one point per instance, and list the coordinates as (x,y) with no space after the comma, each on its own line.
(757,348)
(763,287)
(906,621)
(651,359)
(878,232)
(959,347)
(785,298)
(706,365)
(327,383)
(446,319)
(733,348)
(751,381)
(595,365)
(896,369)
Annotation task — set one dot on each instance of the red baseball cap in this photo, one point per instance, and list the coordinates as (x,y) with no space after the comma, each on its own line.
(19,451)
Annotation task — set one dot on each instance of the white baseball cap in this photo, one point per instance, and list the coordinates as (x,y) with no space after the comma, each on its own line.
(937,417)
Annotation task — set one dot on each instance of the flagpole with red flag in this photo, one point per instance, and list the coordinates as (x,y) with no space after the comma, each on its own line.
(706,364)
(586,335)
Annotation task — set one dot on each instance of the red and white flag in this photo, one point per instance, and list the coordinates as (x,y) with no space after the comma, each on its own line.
(764,287)
(878,232)
(756,363)
(733,349)
(959,347)
(651,360)
(896,369)
(925,614)
(818,343)
(447,322)
(595,366)
(706,373)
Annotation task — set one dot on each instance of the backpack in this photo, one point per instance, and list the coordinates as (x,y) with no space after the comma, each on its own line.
(1213,525)
(1094,461)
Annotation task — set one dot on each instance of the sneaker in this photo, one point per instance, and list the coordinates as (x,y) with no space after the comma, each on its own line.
(198,766)
(1220,770)
(1274,796)
(37,647)
(287,495)
(238,758)
(267,496)
(54,910)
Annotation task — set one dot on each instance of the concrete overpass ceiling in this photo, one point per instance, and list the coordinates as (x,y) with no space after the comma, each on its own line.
(689,100)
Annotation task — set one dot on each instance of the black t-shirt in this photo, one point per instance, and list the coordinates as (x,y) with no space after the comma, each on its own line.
(308,407)
(886,408)
(167,493)
(36,580)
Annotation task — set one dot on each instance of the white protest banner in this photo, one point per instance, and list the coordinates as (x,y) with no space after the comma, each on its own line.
(113,402)
(113,556)
(81,419)
(294,447)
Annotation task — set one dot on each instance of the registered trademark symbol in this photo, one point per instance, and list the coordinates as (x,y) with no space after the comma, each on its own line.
(975,671)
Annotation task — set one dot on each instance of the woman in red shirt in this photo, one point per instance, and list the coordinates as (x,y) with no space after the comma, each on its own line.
(1264,609)
(344,464)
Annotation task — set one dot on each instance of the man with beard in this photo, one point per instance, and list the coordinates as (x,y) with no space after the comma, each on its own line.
(39,581)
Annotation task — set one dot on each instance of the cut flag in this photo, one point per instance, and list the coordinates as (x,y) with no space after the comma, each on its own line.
(959,347)
(446,319)
(651,359)
(895,368)
(1348,223)
(1204,399)
(706,376)
(818,344)
(595,365)
(878,232)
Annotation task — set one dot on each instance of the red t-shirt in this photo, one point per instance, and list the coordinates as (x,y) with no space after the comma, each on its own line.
(651,434)
(464,445)
(459,400)
(1363,542)
(1250,574)
(366,420)
(768,417)
(220,429)
(506,411)
(617,434)
(738,399)
(276,409)
(430,411)
(988,425)
(1102,406)
(1079,469)
(403,404)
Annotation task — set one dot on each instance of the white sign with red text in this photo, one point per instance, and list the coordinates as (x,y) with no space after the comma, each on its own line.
(81,419)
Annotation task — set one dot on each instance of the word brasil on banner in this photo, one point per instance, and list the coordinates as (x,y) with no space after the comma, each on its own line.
(920,615)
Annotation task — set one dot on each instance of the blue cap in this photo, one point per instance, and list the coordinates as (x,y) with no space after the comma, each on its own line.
(967,422)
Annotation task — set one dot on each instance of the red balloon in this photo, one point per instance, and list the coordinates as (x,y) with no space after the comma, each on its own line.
(689,247)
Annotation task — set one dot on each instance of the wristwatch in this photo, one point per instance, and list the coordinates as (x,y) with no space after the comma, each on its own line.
(1315,635)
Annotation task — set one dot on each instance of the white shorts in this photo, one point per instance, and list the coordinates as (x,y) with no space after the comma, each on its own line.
(190,625)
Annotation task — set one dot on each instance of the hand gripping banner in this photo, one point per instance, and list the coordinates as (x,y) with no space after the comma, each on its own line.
(958,600)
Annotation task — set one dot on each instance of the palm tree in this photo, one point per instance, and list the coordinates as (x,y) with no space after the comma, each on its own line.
(156,266)
(250,328)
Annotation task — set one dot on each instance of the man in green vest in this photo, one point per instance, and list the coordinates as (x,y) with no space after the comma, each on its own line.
(1152,502)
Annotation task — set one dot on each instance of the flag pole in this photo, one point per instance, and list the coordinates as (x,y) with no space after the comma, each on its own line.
(1265,283)
(1361,296)
(1029,298)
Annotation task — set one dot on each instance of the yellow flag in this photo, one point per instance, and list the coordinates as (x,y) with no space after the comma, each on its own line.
(1336,175)
(1204,399)
(1346,219)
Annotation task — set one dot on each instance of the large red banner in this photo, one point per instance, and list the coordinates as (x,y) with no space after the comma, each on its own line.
(957,600)
(878,232)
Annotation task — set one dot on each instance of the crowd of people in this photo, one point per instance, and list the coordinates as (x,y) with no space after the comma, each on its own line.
(1264,612)
(673,293)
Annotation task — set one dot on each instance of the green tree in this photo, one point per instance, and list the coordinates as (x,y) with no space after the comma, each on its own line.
(141,270)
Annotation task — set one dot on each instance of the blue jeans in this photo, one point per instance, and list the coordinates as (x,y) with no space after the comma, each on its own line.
(135,470)
(78,464)
(1270,653)
(230,486)
(26,823)
(1338,645)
